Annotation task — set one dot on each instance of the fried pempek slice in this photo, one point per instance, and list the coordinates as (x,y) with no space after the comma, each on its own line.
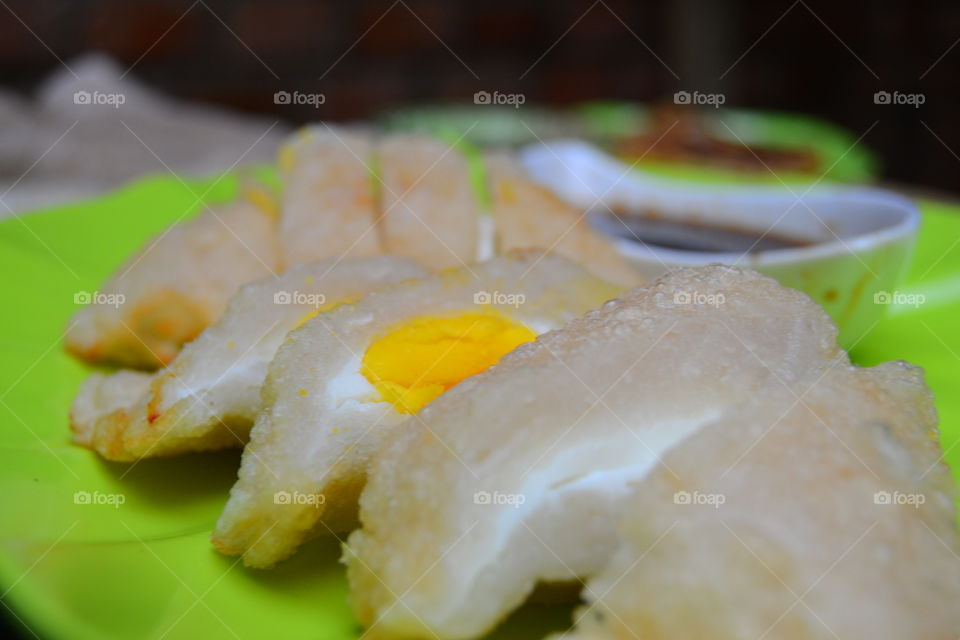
(210,394)
(326,412)
(176,286)
(819,513)
(429,210)
(529,215)
(328,208)
(518,475)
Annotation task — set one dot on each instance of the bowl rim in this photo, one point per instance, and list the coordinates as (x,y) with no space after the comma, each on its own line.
(581,154)
(907,225)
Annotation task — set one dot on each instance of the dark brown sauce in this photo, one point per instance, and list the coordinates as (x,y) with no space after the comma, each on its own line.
(651,228)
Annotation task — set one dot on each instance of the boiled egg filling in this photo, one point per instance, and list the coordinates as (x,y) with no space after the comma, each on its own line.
(418,360)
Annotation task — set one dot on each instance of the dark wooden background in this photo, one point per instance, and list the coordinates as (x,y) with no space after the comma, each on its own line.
(821,57)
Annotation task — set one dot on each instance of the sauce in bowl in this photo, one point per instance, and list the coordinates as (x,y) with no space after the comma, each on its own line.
(652,228)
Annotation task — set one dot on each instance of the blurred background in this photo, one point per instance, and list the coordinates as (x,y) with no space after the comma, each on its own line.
(95,93)
(200,79)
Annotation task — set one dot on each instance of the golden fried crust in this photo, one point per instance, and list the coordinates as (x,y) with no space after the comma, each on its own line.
(209,396)
(426,210)
(157,326)
(146,429)
(564,424)
(840,500)
(322,420)
(429,209)
(528,215)
(176,286)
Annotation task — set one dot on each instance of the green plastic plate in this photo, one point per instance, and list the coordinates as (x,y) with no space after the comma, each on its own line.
(144,568)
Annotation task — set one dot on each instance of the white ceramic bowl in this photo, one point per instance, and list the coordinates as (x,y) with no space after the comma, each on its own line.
(860,239)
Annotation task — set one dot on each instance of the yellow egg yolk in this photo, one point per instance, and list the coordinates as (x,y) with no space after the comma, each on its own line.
(420,359)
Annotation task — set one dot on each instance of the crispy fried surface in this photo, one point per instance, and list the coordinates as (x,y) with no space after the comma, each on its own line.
(428,206)
(176,286)
(528,215)
(518,474)
(328,208)
(209,396)
(322,420)
(421,205)
(810,539)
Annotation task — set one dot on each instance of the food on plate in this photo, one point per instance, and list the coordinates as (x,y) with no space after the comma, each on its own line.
(421,346)
(176,286)
(429,208)
(518,475)
(210,394)
(345,193)
(821,513)
(346,378)
(327,208)
(526,214)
